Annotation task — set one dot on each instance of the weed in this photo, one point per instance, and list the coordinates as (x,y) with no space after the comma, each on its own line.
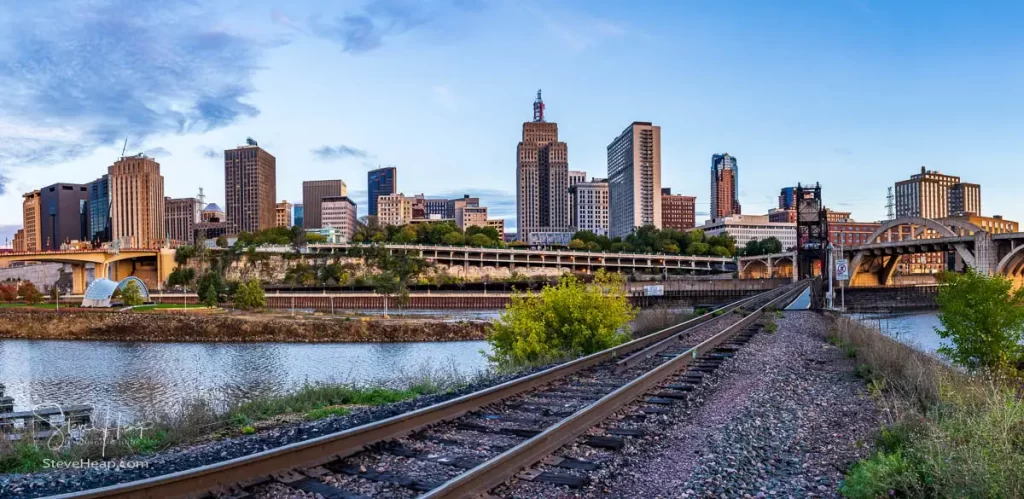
(248,430)
(326,412)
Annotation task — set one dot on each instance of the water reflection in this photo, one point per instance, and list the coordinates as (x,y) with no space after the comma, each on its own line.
(916,329)
(135,378)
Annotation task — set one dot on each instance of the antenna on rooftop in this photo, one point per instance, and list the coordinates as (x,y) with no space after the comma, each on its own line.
(125,148)
(538,109)
(889,204)
(201,197)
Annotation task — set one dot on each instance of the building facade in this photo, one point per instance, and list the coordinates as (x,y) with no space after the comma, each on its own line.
(31,213)
(436,207)
(725,181)
(18,243)
(931,194)
(283,214)
(99,211)
(312,192)
(394,209)
(180,219)
(851,233)
(64,210)
(380,182)
(339,212)
(575,177)
(298,215)
(787,198)
(745,228)
(214,213)
(993,225)
(542,177)
(634,179)
(472,216)
(250,187)
(136,202)
(498,224)
(590,206)
(678,212)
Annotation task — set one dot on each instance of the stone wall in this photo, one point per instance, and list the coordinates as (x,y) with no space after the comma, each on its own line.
(227,327)
(43,275)
(890,298)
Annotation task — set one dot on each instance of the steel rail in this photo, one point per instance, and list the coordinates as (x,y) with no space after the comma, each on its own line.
(497,470)
(256,468)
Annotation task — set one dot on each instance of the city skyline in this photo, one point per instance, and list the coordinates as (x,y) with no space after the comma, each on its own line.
(900,97)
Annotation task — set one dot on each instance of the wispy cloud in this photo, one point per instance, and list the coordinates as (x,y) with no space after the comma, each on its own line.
(3,184)
(208,152)
(157,152)
(576,31)
(329,153)
(79,75)
(363,30)
(445,97)
(842,151)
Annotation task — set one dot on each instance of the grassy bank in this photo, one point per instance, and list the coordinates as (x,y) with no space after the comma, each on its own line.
(203,419)
(946,434)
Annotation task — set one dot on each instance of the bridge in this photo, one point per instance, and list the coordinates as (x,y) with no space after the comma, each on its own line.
(875,263)
(153,266)
(576,261)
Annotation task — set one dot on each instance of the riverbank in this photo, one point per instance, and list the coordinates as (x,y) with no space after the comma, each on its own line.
(37,324)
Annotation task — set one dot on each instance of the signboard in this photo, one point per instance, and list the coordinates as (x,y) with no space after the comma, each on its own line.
(654,290)
(842,269)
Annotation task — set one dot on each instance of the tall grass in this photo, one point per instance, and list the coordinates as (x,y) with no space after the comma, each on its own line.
(227,414)
(654,319)
(947,433)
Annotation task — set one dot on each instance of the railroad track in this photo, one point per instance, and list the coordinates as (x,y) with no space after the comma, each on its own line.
(466,446)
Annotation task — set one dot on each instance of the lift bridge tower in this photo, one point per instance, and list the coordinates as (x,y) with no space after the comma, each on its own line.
(811,232)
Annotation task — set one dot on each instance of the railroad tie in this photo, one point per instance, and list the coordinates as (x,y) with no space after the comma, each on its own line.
(655,410)
(660,401)
(604,442)
(314,486)
(409,483)
(668,394)
(572,481)
(570,463)
(625,432)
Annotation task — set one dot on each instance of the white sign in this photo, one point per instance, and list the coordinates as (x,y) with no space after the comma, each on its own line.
(654,290)
(842,269)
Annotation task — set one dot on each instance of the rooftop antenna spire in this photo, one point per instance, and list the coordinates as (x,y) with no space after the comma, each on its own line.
(125,148)
(889,205)
(201,197)
(538,109)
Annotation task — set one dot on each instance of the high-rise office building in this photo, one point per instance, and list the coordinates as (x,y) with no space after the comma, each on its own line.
(436,208)
(725,181)
(18,243)
(931,194)
(312,192)
(542,177)
(471,216)
(283,214)
(394,209)
(64,214)
(787,198)
(250,187)
(32,221)
(99,210)
(634,179)
(298,215)
(380,182)
(339,212)
(677,212)
(455,206)
(590,206)
(180,219)
(575,177)
(136,202)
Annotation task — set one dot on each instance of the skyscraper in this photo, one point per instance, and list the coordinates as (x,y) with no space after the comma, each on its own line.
(590,206)
(180,219)
(136,202)
(339,212)
(575,177)
(725,181)
(634,179)
(64,214)
(298,215)
(99,210)
(313,191)
(931,194)
(250,187)
(542,177)
(32,220)
(380,182)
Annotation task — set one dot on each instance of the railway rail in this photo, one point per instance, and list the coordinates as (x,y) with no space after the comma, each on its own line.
(466,446)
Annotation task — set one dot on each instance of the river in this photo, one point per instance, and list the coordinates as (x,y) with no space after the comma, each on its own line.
(916,329)
(132,378)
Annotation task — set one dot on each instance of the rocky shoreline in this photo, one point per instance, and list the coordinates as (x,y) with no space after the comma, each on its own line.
(229,327)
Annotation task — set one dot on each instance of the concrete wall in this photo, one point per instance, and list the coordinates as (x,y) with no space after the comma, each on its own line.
(42,275)
(890,298)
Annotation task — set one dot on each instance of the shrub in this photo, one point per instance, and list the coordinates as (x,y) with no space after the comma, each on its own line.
(131,294)
(983,318)
(29,293)
(8,293)
(249,295)
(569,319)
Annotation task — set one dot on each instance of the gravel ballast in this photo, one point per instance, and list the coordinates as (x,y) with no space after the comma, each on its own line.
(784,418)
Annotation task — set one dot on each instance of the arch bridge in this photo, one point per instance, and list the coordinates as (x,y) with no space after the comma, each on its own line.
(152,266)
(962,243)
(777,265)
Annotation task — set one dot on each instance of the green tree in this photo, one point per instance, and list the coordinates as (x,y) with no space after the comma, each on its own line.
(698,249)
(249,295)
(131,294)
(396,270)
(569,319)
(222,242)
(984,319)
(29,293)
(210,296)
(453,239)
(752,248)
(577,244)
(480,241)
(314,238)
(720,251)
(771,245)
(181,276)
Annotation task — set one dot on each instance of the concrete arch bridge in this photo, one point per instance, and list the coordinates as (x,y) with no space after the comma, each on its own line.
(152,266)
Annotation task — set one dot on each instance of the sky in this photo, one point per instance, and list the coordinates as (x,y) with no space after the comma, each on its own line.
(853,94)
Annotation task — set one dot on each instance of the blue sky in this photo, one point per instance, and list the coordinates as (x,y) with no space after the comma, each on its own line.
(853,94)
